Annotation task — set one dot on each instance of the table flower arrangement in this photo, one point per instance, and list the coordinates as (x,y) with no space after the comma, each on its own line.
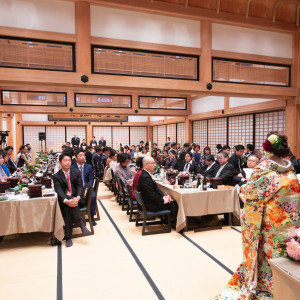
(289,243)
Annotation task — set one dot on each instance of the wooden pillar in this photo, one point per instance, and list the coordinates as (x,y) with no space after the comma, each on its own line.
(83,37)
(70,98)
(150,134)
(1,121)
(206,45)
(89,133)
(135,101)
(291,123)
(19,132)
(226,103)
(188,131)
(297,150)
(10,128)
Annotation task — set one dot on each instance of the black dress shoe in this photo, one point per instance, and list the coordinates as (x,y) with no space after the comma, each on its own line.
(94,222)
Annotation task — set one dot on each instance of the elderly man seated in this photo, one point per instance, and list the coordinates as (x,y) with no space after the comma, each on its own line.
(153,197)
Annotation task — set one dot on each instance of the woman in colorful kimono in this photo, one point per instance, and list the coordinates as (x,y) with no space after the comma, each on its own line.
(272,204)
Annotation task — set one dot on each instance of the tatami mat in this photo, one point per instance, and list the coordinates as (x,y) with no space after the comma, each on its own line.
(102,266)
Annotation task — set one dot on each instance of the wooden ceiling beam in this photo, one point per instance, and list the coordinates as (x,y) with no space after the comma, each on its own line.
(247,8)
(298,15)
(274,10)
(186,3)
(218,4)
(194,13)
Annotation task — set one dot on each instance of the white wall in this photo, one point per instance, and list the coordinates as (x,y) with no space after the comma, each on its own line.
(236,101)
(4,126)
(34,117)
(156,118)
(206,104)
(137,119)
(48,15)
(142,27)
(251,41)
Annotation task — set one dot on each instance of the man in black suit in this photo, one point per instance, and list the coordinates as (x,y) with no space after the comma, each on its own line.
(236,160)
(188,165)
(102,142)
(11,164)
(210,167)
(184,151)
(88,155)
(68,186)
(75,141)
(172,162)
(225,170)
(93,142)
(153,197)
(83,144)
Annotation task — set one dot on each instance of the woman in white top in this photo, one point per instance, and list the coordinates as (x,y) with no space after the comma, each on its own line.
(146,152)
(137,153)
(112,166)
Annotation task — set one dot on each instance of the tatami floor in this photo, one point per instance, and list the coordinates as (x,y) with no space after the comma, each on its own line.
(119,263)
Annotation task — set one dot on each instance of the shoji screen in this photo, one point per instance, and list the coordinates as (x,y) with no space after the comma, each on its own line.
(138,134)
(161,136)
(200,133)
(78,130)
(171,132)
(99,131)
(55,137)
(181,133)
(155,136)
(31,136)
(266,122)
(120,135)
(217,132)
(240,130)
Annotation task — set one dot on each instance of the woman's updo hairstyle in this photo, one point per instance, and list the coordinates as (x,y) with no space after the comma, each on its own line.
(279,147)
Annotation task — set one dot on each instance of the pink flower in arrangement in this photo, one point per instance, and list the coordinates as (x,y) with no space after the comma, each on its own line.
(31,175)
(25,180)
(267,146)
(293,249)
(293,233)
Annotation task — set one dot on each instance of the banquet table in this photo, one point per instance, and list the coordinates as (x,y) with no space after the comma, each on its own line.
(193,202)
(24,215)
(286,276)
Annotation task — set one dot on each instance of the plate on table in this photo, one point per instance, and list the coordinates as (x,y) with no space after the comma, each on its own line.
(3,197)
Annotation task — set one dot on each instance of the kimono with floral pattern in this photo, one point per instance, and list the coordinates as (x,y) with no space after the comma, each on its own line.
(272,206)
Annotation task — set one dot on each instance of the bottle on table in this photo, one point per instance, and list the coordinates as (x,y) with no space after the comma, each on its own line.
(204,183)
(198,182)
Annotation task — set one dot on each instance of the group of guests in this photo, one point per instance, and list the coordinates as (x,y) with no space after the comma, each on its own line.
(75,142)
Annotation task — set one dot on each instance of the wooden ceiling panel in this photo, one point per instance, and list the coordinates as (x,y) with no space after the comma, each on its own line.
(209,4)
(233,6)
(261,9)
(181,2)
(286,12)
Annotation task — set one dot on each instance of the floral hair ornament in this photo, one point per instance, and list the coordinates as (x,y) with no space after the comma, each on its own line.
(273,142)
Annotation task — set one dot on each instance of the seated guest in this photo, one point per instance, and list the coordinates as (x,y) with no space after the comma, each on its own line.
(3,175)
(173,147)
(88,155)
(258,153)
(4,163)
(104,156)
(139,166)
(11,164)
(197,154)
(137,153)
(173,163)
(165,159)
(236,160)
(219,148)
(252,162)
(123,170)
(146,151)
(68,144)
(167,146)
(68,186)
(87,176)
(184,151)
(224,170)
(96,159)
(210,167)
(83,144)
(249,150)
(112,165)
(188,165)
(22,158)
(226,149)
(132,150)
(93,142)
(206,151)
(63,147)
(70,151)
(153,197)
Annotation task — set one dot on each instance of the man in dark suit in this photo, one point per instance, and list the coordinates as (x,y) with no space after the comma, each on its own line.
(93,142)
(210,167)
(236,160)
(83,144)
(188,165)
(68,186)
(172,162)
(225,170)
(75,141)
(88,155)
(153,197)
(102,142)
(184,151)
(87,176)
(11,164)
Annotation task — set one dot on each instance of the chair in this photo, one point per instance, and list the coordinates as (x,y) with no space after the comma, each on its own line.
(112,181)
(148,214)
(123,199)
(95,188)
(132,205)
(86,210)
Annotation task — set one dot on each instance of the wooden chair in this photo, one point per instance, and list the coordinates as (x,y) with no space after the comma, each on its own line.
(132,204)
(85,211)
(112,182)
(95,188)
(123,200)
(148,214)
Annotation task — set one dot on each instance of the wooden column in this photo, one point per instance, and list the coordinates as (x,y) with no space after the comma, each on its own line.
(83,37)
(205,58)
(297,151)
(150,134)
(226,103)
(1,121)
(10,128)
(291,123)
(188,131)
(19,132)
(89,133)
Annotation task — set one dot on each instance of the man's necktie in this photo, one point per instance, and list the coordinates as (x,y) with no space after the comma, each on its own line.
(69,193)
(82,174)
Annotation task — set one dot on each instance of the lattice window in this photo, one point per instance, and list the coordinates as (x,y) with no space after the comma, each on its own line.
(200,133)
(216,133)
(32,54)
(161,136)
(266,122)
(138,134)
(181,133)
(104,131)
(55,137)
(31,136)
(120,135)
(240,130)
(78,130)
(155,135)
(171,132)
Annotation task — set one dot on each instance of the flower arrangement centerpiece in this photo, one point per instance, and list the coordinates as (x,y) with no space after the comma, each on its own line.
(182,177)
(289,242)
(271,143)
